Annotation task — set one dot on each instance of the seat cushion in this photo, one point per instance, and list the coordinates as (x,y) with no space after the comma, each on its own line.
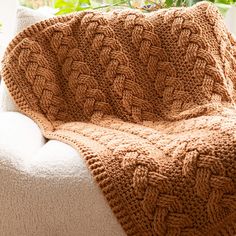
(46,189)
(20,138)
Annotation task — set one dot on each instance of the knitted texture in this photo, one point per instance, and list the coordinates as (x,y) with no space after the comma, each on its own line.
(148,100)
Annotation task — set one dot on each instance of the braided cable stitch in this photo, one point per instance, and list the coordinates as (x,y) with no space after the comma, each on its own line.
(205,69)
(80,79)
(98,81)
(41,78)
(114,60)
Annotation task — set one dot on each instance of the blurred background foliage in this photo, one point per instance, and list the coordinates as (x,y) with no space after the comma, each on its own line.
(36,3)
(68,6)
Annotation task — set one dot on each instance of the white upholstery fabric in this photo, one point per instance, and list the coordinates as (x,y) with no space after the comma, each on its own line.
(6,102)
(20,138)
(46,189)
(26,17)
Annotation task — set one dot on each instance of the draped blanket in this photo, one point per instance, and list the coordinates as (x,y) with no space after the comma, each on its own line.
(149,101)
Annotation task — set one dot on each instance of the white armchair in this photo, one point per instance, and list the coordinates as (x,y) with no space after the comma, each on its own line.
(45,186)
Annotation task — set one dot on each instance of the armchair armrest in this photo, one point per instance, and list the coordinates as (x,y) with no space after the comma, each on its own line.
(6,101)
(20,138)
(47,189)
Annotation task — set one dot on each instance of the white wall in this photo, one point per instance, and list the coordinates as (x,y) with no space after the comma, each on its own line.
(230,20)
(7,17)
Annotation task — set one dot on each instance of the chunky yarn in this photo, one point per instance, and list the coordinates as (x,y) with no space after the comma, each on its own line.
(149,101)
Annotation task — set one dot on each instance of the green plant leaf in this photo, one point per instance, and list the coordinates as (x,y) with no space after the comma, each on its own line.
(65,10)
(65,4)
(86,2)
(169,3)
(225,1)
(68,6)
(82,8)
(179,3)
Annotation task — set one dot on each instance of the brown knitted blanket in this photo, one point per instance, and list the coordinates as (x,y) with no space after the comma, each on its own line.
(149,101)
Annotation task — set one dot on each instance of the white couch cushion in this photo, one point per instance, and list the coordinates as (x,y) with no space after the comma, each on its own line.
(6,102)
(47,189)
(20,138)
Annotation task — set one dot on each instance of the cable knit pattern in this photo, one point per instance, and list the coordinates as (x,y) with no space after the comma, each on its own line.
(206,72)
(117,67)
(149,101)
(153,55)
(77,72)
(41,78)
